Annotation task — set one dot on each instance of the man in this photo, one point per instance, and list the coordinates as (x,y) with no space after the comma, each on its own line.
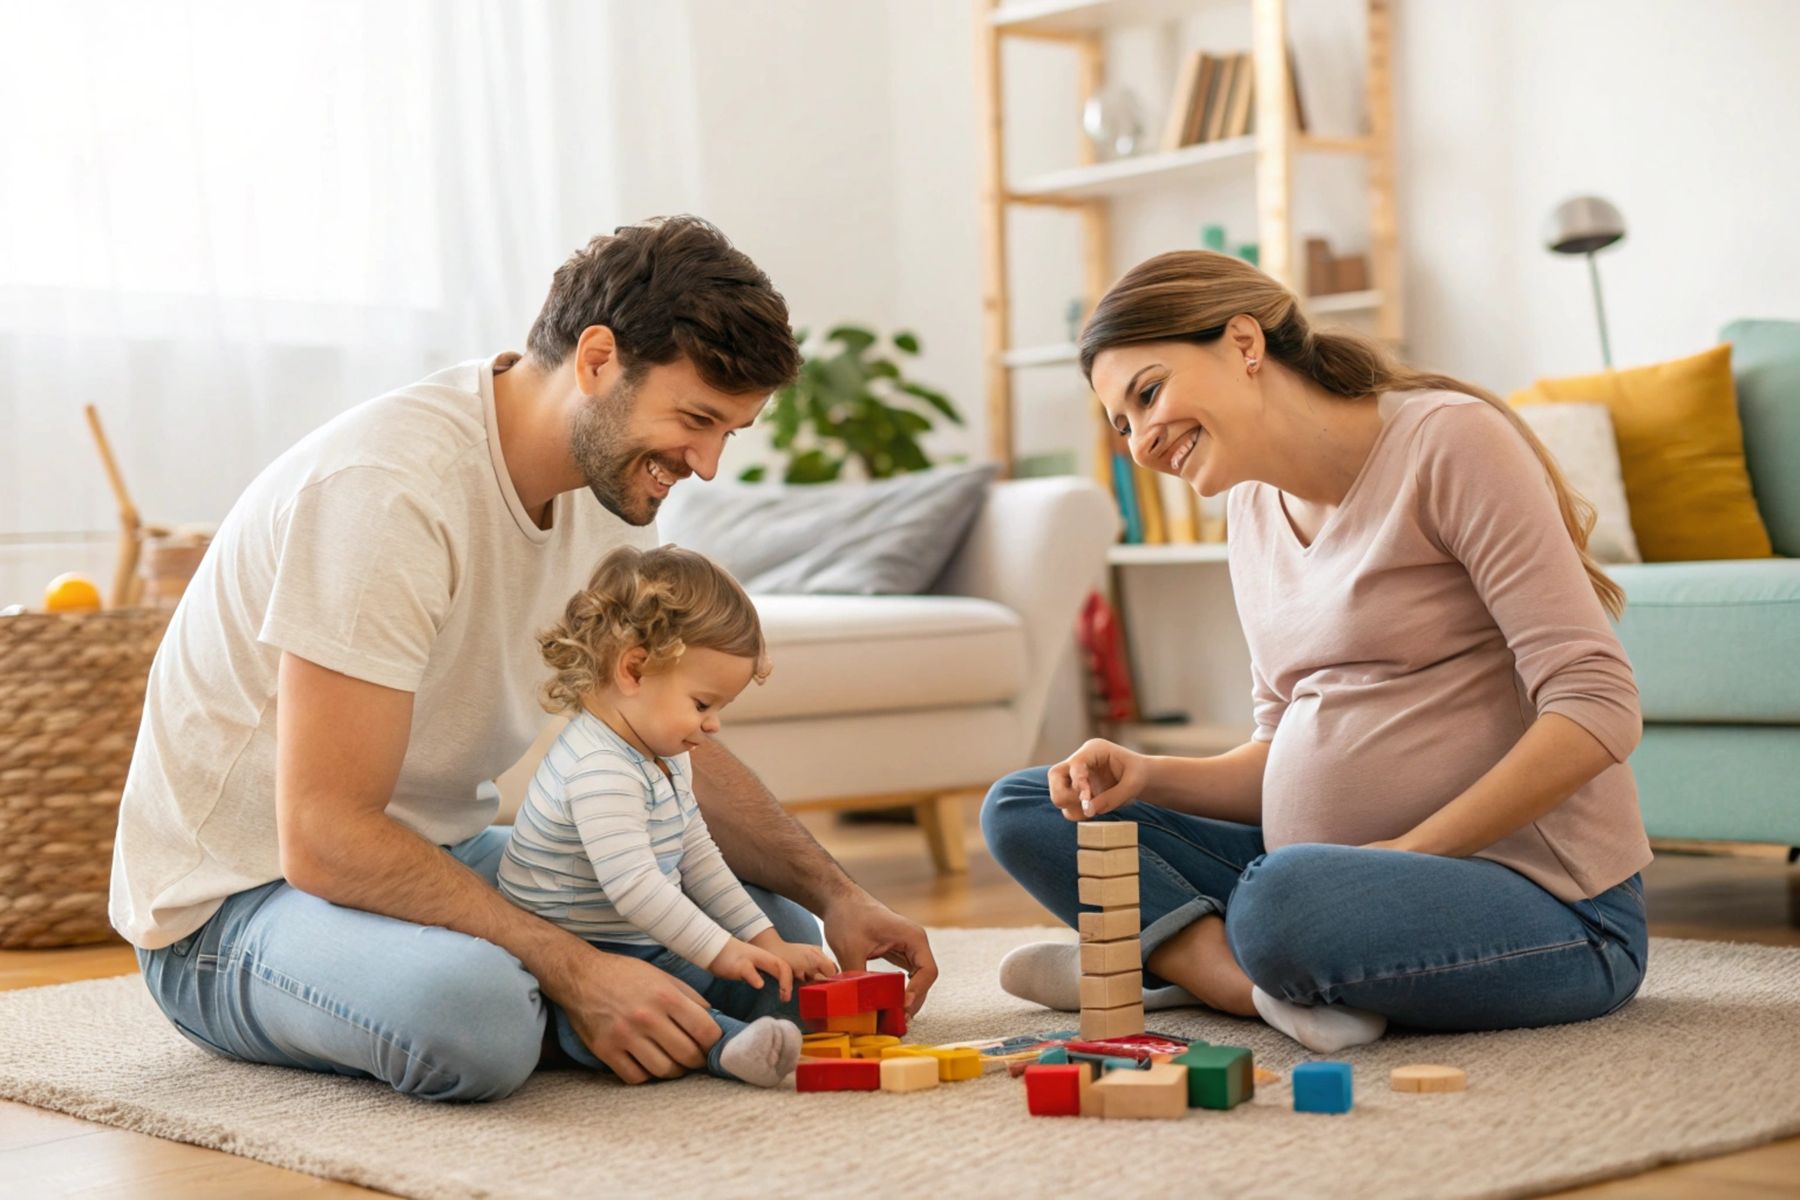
(305,858)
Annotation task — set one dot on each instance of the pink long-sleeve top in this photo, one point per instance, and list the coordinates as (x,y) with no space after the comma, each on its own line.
(1439,611)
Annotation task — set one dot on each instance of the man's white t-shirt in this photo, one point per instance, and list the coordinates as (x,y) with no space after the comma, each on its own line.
(390,546)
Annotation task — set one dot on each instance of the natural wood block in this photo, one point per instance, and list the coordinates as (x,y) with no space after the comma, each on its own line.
(1428,1077)
(1103,864)
(1121,891)
(1100,1023)
(1156,1093)
(1110,958)
(1110,925)
(909,1073)
(1105,835)
(1111,991)
(1090,1099)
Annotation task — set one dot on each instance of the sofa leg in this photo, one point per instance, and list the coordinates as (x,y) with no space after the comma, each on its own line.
(940,817)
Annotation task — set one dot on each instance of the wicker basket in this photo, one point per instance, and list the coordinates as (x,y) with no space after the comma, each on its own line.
(71,693)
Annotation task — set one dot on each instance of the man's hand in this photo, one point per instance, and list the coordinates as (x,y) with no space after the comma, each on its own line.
(860,928)
(636,1019)
(740,960)
(809,962)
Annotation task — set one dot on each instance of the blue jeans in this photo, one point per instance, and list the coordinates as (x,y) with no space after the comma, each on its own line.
(1451,944)
(280,976)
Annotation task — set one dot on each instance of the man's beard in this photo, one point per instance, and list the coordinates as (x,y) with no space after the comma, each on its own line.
(610,463)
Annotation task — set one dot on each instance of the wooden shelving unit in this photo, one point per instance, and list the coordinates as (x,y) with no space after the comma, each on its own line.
(1086,189)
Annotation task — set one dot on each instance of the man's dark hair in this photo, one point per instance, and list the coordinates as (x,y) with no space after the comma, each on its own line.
(668,288)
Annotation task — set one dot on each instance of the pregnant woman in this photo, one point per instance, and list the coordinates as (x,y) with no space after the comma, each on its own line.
(1432,823)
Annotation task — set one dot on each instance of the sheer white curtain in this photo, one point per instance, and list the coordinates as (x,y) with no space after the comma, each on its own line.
(223,223)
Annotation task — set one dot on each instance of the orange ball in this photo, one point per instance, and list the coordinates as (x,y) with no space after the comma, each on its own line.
(71,593)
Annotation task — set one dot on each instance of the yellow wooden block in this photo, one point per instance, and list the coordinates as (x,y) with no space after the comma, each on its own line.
(1111,991)
(1109,926)
(1159,1092)
(957,1064)
(1105,835)
(1121,891)
(1428,1077)
(871,1046)
(1123,1021)
(1104,864)
(825,1045)
(1110,958)
(908,1073)
(862,1024)
(908,1052)
(1264,1076)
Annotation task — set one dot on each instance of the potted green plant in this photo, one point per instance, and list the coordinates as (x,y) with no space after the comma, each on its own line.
(852,402)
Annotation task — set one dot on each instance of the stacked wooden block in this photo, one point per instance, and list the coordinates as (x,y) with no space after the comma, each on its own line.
(1112,967)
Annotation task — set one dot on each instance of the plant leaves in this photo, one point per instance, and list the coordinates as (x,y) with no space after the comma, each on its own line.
(854,338)
(907,341)
(814,466)
(937,400)
(754,474)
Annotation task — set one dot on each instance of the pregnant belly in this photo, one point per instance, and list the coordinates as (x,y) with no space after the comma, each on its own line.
(1358,767)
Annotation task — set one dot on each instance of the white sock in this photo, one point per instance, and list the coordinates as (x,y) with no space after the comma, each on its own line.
(1049,973)
(764,1052)
(1323,1028)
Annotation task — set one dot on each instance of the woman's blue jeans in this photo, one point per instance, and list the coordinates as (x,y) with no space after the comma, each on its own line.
(280,976)
(1429,942)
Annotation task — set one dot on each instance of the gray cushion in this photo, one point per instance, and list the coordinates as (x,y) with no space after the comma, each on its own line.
(889,538)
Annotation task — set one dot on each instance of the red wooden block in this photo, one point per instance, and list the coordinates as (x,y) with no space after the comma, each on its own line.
(838,1075)
(1054,1089)
(875,989)
(835,997)
(892,1021)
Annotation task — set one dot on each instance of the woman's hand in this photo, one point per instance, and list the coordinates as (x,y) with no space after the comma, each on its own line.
(1096,779)
(808,962)
(741,960)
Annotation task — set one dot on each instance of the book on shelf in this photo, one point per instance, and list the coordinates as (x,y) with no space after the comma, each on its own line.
(1181,103)
(1204,88)
(1215,99)
(1125,492)
(1238,106)
(1181,509)
(1149,497)
(1219,100)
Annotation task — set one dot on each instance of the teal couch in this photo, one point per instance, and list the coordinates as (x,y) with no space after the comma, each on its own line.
(1716,645)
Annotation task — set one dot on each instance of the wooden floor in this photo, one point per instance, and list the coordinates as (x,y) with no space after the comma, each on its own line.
(1752,897)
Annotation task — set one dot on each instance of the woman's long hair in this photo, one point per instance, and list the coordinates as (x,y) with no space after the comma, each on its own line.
(1171,297)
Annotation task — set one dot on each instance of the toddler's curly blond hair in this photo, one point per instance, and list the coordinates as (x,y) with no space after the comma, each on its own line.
(665,600)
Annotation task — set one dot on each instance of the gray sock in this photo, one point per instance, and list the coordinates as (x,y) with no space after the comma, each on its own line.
(762,1053)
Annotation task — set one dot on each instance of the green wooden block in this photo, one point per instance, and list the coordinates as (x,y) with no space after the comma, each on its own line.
(1054,1055)
(1218,1076)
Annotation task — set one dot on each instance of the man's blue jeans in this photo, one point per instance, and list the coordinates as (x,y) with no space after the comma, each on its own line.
(280,976)
(1428,942)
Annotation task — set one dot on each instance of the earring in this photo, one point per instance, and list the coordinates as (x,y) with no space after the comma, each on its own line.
(1250,364)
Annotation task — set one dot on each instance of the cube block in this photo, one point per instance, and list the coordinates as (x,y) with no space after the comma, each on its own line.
(833,997)
(1110,991)
(861,1023)
(1112,958)
(875,990)
(1110,925)
(1112,1022)
(1158,1092)
(1322,1087)
(1054,1090)
(837,1075)
(892,1021)
(1105,835)
(1107,863)
(1121,891)
(908,1073)
(957,1064)
(1218,1076)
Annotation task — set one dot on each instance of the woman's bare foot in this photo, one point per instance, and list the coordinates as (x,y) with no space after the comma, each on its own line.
(1199,960)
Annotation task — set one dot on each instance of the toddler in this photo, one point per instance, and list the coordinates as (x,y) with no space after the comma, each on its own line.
(609,843)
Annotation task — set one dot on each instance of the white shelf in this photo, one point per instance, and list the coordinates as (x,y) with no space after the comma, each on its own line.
(1342,302)
(1125,175)
(1058,355)
(1181,739)
(1084,16)
(1161,554)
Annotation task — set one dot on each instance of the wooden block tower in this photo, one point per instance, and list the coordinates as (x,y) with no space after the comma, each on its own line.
(1112,971)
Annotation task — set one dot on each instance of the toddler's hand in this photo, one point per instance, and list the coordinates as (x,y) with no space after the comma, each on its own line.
(809,962)
(741,960)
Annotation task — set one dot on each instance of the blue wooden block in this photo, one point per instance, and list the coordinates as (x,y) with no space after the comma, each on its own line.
(1120,1064)
(1322,1087)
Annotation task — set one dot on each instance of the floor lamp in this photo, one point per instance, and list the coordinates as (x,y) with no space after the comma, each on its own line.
(1582,226)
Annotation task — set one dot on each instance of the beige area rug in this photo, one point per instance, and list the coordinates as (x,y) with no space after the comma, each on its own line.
(1706,1060)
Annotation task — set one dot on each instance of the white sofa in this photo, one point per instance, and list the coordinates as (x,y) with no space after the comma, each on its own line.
(878,701)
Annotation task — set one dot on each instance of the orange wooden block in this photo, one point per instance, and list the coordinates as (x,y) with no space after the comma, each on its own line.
(1121,891)
(862,1024)
(1100,1023)
(1111,991)
(1264,1076)
(1104,864)
(1428,1077)
(1109,926)
(1109,958)
(1159,1092)
(1105,835)
(825,1045)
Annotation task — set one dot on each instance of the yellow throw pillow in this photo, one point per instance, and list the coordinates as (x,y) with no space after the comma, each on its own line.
(1681,450)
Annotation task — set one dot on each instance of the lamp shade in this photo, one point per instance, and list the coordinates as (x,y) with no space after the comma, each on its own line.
(1582,225)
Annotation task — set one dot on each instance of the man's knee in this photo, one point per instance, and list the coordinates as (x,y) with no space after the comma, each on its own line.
(479,1033)
(1285,917)
(1013,804)
(792,922)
